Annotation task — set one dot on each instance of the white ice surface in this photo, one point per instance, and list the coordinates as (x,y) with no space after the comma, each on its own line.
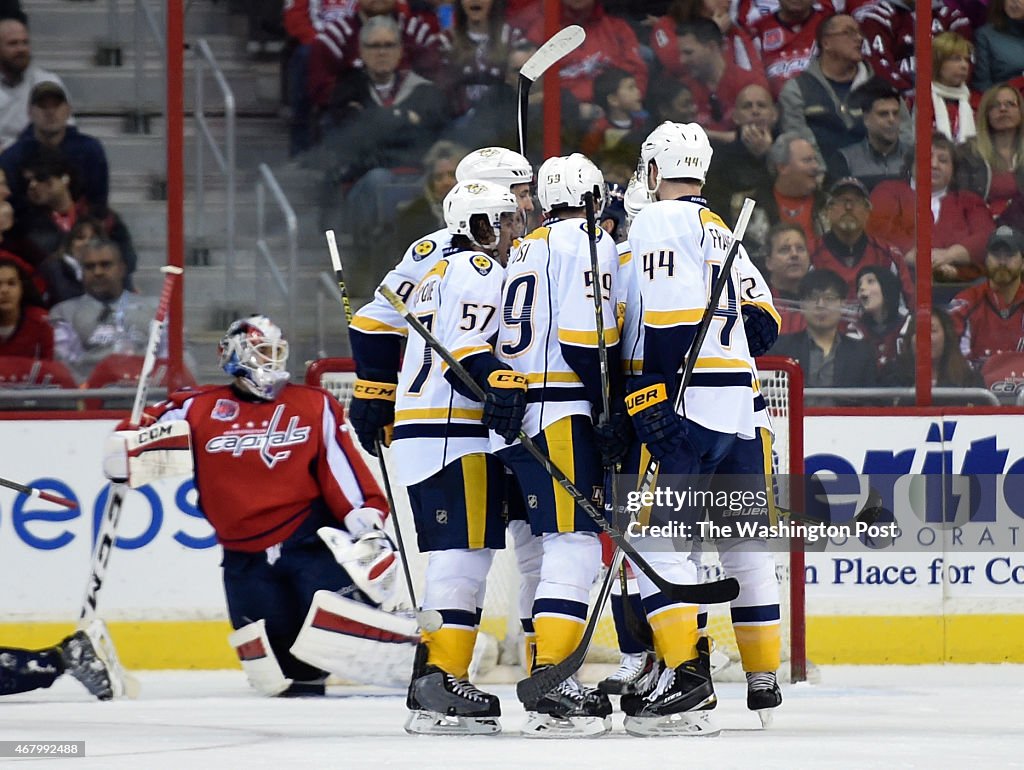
(858,716)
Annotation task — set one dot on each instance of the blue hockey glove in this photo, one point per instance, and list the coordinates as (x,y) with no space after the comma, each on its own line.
(372,410)
(505,403)
(655,420)
(761,329)
(614,436)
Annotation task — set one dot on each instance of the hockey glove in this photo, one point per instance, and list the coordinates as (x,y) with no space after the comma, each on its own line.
(614,436)
(366,552)
(655,420)
(761,329)
(372,409)
(505,403)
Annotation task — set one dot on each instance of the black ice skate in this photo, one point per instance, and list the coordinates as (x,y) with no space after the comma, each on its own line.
(632,671)
(568,710)
(442,704)
(85,665)
(763,694)
(680,704)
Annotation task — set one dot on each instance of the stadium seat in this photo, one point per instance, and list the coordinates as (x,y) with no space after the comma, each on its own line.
(31,374)
(1004,374)
(122,371)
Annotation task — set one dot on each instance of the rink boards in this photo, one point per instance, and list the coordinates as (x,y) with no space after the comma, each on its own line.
(949,590)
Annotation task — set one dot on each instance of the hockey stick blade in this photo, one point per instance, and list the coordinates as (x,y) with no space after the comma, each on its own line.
(559,45)
(717,592)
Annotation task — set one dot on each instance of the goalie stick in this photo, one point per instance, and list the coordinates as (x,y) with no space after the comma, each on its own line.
(33,492)
(116,494)
(429,620)
(705,593)
(557,47)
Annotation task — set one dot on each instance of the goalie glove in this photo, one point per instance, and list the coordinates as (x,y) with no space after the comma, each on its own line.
(372,408)
(505,403)
(761,329)
(655,420)
(370,560)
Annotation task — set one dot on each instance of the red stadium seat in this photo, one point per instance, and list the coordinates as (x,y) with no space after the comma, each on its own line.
(1004,373)
(31,374)
(122,371)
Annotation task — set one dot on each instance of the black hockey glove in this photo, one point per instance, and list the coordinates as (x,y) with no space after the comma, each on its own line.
(372,408)
(761,329)
(505,403)
(655,420)
(614,436)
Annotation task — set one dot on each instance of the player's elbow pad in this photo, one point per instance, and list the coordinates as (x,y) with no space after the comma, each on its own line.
(761,329)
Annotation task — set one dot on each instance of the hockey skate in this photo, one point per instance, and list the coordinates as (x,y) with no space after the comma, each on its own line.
(84,664)
(763,695)
(633,670)
(441,704)
(569,710)
(679,704)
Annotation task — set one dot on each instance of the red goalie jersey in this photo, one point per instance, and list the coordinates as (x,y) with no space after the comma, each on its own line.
(261,466)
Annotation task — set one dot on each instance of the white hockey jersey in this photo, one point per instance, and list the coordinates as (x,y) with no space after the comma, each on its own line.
(549,302)
(458,301)
(377,319)
(678,249)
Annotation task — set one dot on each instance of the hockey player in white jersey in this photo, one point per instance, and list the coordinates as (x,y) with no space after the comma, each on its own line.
(679,247)
(549,335)
(440,451)
(377,332)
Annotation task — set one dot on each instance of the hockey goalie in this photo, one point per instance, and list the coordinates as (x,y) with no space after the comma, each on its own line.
(299,516)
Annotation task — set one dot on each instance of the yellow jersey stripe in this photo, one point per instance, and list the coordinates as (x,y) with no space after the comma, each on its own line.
(573,337)
(766,308)
(373,326)
(437,413)
(672,317)
(536,378)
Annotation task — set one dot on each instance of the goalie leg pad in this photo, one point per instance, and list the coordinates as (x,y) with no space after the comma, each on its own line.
(262,669)
(357,642)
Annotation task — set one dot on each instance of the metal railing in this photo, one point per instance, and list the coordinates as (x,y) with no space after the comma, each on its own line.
(876,395)
(225,159)
(22,396)
(287,285)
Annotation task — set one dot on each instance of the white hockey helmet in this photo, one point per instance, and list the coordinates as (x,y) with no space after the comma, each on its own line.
(477,197)
(681,150)
(563,181)
(495,164)
(254,351)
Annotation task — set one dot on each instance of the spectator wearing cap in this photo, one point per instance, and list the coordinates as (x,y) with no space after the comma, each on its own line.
(846,248)
(50,113)
(18,76)
(990,315)
(961,220)
(828,358)
(880,155)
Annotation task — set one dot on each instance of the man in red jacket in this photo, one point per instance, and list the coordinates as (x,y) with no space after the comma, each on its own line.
(990,316)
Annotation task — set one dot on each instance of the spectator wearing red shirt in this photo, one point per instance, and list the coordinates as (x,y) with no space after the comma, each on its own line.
(881,316)
(619,97)
(24,329)
(739,46)
(610,42)
(304,19)
(961,225)
(990,316)
(786,39)
(786,263)
(335,50)
(992,162)
(714,80)
(890,27)
(846,248)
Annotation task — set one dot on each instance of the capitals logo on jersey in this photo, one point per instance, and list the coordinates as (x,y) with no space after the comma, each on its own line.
(262,441)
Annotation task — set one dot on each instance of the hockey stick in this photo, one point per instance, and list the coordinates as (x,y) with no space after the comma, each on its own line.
(428,620)
(33,492)
(118,491)
(88,620)
(706,593)
(558,46)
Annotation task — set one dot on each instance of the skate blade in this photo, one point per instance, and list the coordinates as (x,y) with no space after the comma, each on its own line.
(548,726)
(694,723)
(615,687)
(433,723)
(767,717)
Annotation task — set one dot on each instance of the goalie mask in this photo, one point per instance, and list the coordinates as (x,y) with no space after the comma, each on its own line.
(469,201)
(562,183)
(255,352)
(680,150)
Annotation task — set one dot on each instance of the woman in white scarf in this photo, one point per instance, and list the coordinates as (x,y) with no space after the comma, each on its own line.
(951,98)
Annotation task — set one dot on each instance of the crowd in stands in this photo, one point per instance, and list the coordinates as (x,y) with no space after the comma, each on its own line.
(67,300)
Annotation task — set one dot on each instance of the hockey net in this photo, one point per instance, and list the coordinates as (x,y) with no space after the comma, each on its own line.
(782,386)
